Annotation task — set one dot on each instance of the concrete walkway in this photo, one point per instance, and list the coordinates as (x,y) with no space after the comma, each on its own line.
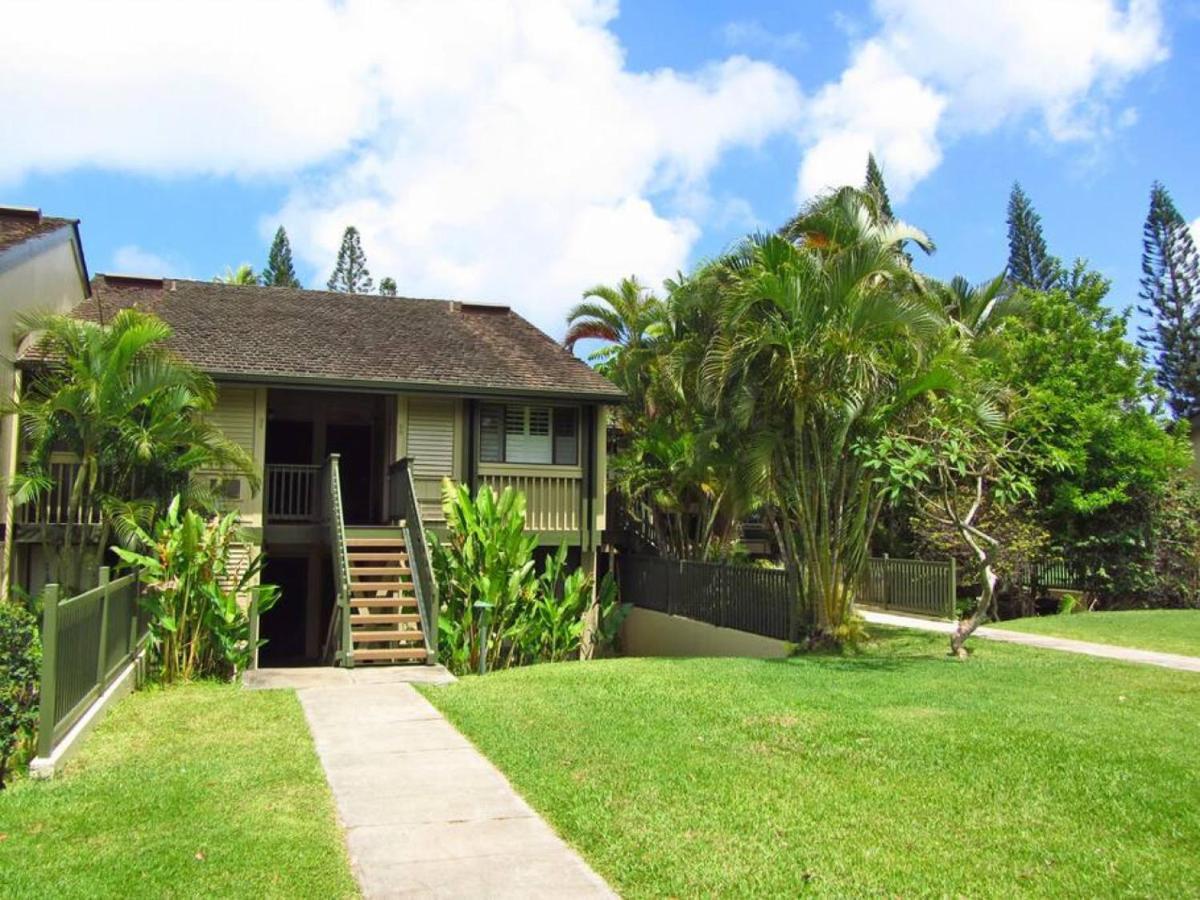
(1045,642)
(425,814)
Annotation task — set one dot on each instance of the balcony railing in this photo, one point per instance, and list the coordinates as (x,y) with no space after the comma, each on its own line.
(291,493)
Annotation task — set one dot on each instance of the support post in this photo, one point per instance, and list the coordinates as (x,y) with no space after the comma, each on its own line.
(102,580)
(953,598)
(49,687)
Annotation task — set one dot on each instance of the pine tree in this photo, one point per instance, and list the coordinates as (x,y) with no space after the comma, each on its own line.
(1029,263)
(279,271)
(1171,291)
(876,186)
(350,275)
(387,286)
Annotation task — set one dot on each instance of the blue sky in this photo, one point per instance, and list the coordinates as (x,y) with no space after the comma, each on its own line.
(521,151)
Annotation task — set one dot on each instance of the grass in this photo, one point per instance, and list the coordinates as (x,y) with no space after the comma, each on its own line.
(1165,630)
(895,771)
(198,791)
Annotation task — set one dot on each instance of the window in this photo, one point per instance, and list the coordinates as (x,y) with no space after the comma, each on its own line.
(528,433)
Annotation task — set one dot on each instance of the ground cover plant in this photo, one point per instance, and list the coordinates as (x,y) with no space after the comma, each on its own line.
(892,771)
(199,790)
(1164,630)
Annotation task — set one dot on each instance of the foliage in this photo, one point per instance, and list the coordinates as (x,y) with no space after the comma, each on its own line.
(1171,293)
(874,185)
(497,610)
(132,413)
(280,271)
(1075,774)
(243,274)
(1030,265)
(1087,409)
(824,347)
(387,286)
(350,274)
(20,677)
(198,625)
(202,790)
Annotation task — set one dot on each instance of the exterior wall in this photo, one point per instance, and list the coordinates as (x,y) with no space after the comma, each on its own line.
(432,432)
(646,632)
(241,414)
(51,281)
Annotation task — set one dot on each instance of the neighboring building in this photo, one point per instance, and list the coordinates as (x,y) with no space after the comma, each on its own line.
(407,393)
(41,270)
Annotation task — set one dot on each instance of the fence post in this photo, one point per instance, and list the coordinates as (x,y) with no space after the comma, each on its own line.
(252,622)
(887,580)
(135,612)
(102,580)
(49,689)
(953,598)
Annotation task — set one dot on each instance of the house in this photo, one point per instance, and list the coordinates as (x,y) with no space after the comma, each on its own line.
(41,269)
(355,408)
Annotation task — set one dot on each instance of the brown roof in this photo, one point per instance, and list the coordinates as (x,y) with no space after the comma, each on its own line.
(18,225)
(285,333)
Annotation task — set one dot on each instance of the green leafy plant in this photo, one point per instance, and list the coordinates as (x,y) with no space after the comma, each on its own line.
(497,610)
(1068,604)
(199,625)
(20,661)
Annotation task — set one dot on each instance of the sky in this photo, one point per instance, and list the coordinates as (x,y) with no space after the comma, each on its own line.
(521,151)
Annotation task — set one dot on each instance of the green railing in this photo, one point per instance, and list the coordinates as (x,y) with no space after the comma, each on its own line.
(338,646)
(404,506)
(86,641)
(923,586)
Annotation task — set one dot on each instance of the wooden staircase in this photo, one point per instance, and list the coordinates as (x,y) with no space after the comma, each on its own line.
(385,620)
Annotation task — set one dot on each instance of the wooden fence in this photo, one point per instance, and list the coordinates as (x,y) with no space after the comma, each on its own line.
(86,641)
(747,598)
(760,601)
(926,587)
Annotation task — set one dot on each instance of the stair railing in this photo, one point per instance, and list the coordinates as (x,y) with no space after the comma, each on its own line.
(403,505)
(338,644)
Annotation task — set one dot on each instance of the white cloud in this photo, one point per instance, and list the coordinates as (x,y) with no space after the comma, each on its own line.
(131,259)
(935,70)
(751,34)
(499,150)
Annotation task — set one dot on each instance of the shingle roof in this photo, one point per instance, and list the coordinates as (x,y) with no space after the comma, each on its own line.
(19,225)
(272,332)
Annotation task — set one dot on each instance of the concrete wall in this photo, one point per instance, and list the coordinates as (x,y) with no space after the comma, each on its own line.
(649,633)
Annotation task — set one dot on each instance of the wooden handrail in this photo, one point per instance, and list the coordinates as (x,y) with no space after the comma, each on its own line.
(403,505)
(336,523)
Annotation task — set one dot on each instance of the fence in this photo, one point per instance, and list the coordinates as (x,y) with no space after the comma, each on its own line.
(760,601)
(86,641)
(747,598)
(925,587)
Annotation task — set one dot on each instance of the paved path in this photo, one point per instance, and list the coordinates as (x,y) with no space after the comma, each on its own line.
(425,814)
(1045,642)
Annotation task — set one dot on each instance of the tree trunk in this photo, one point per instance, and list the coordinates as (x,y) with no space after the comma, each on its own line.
(983,607)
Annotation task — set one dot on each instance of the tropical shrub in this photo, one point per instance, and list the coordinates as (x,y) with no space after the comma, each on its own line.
(20,662)
(199,626)
(497,610)
(131,412)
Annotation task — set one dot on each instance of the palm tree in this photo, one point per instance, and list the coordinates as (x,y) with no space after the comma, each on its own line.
(244,274)
(131,412)
(827,342)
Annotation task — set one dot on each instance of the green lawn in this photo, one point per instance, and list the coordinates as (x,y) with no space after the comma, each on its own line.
(896,771)
(206,790)
(1166,630)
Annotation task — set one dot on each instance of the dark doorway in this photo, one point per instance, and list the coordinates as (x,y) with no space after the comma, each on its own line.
(283,625)
(352,443)
(289,443)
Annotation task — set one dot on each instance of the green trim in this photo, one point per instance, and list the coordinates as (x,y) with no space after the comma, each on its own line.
(465,391)
(373,531)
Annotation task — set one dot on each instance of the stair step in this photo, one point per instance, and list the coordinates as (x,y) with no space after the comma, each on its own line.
(385,619)
(360,586)
(389,653)
(377,557)
(380,570)
(367,637)
(374,542)
(378,602)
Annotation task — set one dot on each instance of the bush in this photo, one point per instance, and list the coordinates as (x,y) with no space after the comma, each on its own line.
(198,625)
(496,609)
(20,663)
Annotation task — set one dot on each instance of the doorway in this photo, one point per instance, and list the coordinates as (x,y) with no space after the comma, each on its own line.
(353,443)
(284,625)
